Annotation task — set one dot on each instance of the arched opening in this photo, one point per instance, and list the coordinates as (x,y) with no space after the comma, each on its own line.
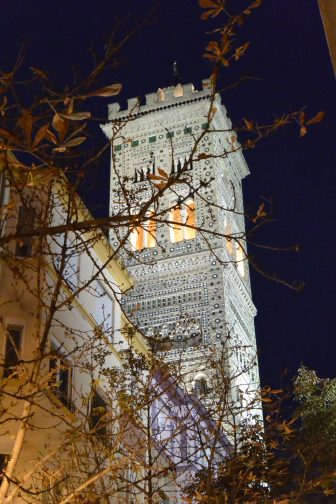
(176,230)
(144,236)
(137,238)
(151,233)
(229,241)
(190,232)
(183,216)
(200,387)
(240,258)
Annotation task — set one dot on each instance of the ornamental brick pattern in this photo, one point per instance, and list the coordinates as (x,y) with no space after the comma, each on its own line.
(191,288)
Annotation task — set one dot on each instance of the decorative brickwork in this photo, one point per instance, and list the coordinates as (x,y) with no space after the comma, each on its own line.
(183,290)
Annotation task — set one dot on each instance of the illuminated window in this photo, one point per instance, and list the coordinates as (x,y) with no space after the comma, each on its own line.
(25,224)
(150,234)
(144,236)
(229,241)
(98,415)
(182,217)
(240,258)
(190,232)
(176,232)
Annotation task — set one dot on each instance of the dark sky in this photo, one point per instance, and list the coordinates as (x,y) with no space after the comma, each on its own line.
(289,61)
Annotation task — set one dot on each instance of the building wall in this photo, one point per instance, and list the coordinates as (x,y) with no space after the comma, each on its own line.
(83,337)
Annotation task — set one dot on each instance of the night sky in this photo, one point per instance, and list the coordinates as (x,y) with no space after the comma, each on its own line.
(289,62)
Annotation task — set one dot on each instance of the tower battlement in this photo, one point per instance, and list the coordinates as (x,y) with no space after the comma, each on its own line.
(162,98)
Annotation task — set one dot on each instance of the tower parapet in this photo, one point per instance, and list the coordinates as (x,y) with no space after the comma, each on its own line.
(164,97)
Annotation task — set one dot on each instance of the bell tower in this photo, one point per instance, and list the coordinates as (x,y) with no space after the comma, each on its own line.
(188,259)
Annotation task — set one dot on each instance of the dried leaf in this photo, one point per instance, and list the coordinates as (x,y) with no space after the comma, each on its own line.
(58,123)
(202,155)
(59,149)
(239,20)
(76,116)
(161,185)
(69,103)
(40,135)
(260,213)
(205,4)
(163,173)
(317,118)
(215,8)
(112,90)
(5,134)
(255,4)
(179,181)
(248,123)
(240,51)
(26,123)
(50,136)
(212,112)
(249,144)
(155,177)
(74,141)
(40,73)
(303,131)
(3,105)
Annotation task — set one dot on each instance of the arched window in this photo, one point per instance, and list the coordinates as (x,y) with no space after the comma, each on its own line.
(240,258)
(200,387)
(190,232)
(182,217)
(144,236)
(176,231)
(229,241)
(151,233)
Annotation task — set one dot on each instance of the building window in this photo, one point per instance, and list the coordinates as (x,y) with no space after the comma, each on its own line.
(61,376)
(117,148)
(229,240)
(103,309)
(183,216)
(187,131)
(3,463)
(98,415)
(170,134)
(13,349)
(135,143)
(25,225)
(144,236)
(240,258)
(71,270)
(201,387)
(152,139)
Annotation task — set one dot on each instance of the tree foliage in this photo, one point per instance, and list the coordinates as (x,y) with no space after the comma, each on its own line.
(289,459)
